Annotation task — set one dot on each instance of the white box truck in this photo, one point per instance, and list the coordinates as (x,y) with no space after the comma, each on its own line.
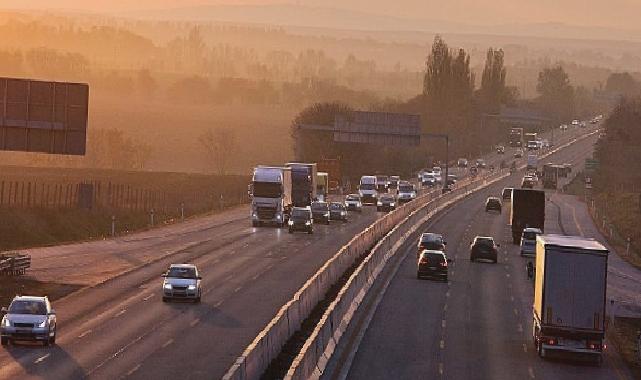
(570,297)
(367,190)
(271,191)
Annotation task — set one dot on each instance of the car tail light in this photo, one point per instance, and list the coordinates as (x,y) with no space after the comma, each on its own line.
(423,260)
(594,345)
(444,264)
(551,342)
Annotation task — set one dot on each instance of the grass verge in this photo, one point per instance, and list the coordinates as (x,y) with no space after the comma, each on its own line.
(624,337)
(23,285)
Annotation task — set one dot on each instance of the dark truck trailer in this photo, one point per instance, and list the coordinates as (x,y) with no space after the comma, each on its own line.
(303,183)
(528,210)
(570,297)
(516,137)
(551,174)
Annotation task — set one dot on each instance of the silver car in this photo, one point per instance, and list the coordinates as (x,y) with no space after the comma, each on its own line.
(28,319)
(181,281)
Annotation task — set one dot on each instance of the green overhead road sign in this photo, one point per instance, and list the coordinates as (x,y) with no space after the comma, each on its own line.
(591,164)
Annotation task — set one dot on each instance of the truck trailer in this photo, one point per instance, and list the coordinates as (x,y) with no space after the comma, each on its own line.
(528,210)
(516,137)
(570,297)
(271,191)
(304,176)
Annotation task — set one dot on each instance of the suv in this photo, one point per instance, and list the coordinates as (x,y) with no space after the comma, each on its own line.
(337,211)
(484,247)
(353,202)
(528,241)
(301,220)
(432,242)
(406,192)
(493,204)
(181,281)
(432,264)
(28,318)
(320,212)
(393,181)
(462,163)
(507,193)
(387,202)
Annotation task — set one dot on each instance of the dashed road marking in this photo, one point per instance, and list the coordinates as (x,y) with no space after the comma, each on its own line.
(447,294)
(167,343)
(149,297)
(442,344)
(238,289)
(520,327)
(524,347)
(507,275)
(443,323)
(121,312)
(516,312)
(218,303)
(530,371)
(41,359)
(84,334)
(512,298)
(229,277)
(255,277)
(440,369)
(194,322)
(131,371)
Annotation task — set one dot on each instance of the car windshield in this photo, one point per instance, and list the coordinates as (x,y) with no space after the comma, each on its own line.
(267,189)
(367,186)
(406,188)
(434,258)
(300,214)
(388,198)
(529,235)
(336,206)
(352,197)
(28,307)
(436,245)
(319,206)
(180,272)
(484,241)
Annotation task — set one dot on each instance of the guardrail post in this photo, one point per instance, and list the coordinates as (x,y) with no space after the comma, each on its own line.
(113,225)
(627,247)
(151,217)
(182,211)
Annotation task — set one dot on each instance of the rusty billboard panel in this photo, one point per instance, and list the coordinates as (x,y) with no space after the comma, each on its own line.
(41,116)
(380,128)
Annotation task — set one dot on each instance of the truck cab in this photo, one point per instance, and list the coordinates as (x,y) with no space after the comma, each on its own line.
(271,191)
(367,190)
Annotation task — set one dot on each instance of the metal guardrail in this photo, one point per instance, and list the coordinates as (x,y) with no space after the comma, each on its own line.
(14,264)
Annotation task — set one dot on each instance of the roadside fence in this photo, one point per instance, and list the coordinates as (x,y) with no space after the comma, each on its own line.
(14,264)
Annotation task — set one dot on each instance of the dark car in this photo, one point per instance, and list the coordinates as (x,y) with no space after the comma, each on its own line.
(484,248)
(387,202)
(432,264)
(431,241)
(527,183)
(320,212)
(493,204)
(500,149)
(452,179)
(301,220)
(393,181)
(507,193)
(462,163)
(337,211)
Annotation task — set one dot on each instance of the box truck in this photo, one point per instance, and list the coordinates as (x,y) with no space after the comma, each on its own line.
(304,178)
(570,297)
(528,210)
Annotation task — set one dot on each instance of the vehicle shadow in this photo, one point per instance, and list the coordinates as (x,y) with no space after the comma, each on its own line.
(206,313)
(51,362)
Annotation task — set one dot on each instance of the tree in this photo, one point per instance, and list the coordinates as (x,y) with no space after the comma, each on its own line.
(624,84)
(219,144)
(556,94)
(493,82)
(314,145)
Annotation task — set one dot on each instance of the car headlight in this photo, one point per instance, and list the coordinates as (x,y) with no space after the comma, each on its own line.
(379,203)
(291,222)
(42,324)
(167,286)
(6,322)
(191,287)
(308,223)
(343,213)
(254,215)
(327,214)
(278,216)
(391,204)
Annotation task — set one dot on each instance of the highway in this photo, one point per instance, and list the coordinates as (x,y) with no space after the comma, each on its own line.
(477,326)
(119,327)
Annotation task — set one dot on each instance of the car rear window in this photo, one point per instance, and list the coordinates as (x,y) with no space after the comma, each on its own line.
(406,188)
(300,214)
(434,257)
(178,272)
(352,197)
(433,245)
(529,235)
(319,206)
(336,206)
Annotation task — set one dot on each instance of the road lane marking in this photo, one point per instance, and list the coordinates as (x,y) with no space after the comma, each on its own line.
(229,277)
(512,298)
(131,371)
(149,297)
(520,328)
(41,359)
(218,303)
(255,277)
(516,312)
(444,308)
(530,372)
(440,369)
(442,344)
(443,323)
(121,312)
(238,289)
(167,343)
(194,322)
(524,347)
(507,275)
(447,294)
(84,334)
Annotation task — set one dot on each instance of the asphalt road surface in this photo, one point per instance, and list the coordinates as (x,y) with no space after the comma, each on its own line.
(477,326)
(121,329)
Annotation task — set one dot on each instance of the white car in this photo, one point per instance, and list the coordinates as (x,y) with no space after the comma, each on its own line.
(353,203)
(406,193)
(181,281)
(428,179)
(28,319)
(528,241)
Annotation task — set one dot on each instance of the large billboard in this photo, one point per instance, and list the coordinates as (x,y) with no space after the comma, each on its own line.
(40,116)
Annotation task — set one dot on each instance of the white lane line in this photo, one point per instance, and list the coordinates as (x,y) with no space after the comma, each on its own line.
(442,344)
(524,347)
(194,322)
(218,303)
(121,312)
(447,294)
(444,308)
(255,277)
(229,277)
(268,267)
(149,297)
(530,372)
(41,359)
(167,343)
(131,371)
(516,312)
(440,369)
(443,323)
(452,272)
(507,275)
(84,334)
(512,298)
(208,291)
(238,289)
(520,327)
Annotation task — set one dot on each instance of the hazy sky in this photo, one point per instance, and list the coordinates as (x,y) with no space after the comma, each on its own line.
(624,14)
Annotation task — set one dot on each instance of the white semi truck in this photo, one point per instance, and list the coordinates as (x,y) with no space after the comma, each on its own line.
(570,297)
(271,191)
(367,190)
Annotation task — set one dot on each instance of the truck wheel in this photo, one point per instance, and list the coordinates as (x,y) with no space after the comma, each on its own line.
(52,340)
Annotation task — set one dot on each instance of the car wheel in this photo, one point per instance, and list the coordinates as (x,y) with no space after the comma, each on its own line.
(4,341)
(471,258)
(290,231)
(310,231)
(418,276)
(164,299)
(197,300)
(52,340)
(327,222)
